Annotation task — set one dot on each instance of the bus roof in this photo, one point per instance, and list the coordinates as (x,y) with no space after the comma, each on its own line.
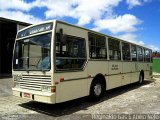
(58,21)
(100,33)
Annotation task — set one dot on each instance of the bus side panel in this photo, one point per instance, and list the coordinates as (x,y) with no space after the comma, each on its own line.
(146,75)
(75,82)
(73,86)
(134,77)
(72,89)
(140,66)
(135,73)
(147,70)
(114,81)
(126,76)
(96,67)
(115,76)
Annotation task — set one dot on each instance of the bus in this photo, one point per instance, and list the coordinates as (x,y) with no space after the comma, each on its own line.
(54,62)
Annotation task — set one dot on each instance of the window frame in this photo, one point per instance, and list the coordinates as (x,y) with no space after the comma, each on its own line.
(30,37)
(123,42)
(139,47)
(76,58)
(96,46)
(145,59)
(120,49)
(136,53)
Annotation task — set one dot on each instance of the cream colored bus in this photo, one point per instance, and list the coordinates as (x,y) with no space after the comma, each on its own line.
(55,62)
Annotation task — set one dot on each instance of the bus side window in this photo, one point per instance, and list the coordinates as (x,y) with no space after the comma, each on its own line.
(71,55)
(97,46)
(134,53)
(151,55)
(147,55)
(140,54)
(126,51)
(114,49)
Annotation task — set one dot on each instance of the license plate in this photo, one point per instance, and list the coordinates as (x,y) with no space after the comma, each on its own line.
(27,95)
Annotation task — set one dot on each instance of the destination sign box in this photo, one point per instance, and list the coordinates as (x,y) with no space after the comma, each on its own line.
(35,30)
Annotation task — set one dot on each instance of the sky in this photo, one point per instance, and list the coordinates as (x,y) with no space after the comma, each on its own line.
(136,21)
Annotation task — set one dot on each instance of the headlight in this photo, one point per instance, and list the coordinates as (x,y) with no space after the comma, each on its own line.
(16,84)
(48,89)
(17,77)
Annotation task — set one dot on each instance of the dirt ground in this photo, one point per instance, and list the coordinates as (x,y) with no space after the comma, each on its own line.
(128,101)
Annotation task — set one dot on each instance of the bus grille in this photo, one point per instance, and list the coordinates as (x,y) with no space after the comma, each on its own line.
(34,82)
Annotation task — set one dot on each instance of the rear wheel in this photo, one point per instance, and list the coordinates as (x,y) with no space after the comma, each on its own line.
(141,79)
(96,90)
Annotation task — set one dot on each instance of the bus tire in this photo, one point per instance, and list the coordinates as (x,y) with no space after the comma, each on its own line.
(141,79)
(96,90)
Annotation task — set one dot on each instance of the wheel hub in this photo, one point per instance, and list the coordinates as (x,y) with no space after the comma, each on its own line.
(141,79)
(97,89)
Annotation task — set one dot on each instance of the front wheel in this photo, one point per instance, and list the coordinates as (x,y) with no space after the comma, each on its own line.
(96,90)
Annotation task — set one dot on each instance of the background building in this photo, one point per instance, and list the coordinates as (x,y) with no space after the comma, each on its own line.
(8,31)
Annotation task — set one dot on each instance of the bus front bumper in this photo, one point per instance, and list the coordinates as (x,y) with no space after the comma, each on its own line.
(38,96)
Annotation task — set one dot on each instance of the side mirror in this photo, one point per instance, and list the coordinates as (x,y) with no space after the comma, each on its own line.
(64,39)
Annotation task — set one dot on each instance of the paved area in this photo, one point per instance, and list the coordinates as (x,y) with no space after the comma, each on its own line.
(127,100)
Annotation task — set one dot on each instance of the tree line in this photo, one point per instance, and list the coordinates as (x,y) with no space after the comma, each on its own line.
(156,54)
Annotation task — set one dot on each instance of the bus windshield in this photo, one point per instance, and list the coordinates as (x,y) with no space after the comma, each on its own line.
(33,53)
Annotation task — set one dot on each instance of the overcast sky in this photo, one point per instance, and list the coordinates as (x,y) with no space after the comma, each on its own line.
(137,21)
